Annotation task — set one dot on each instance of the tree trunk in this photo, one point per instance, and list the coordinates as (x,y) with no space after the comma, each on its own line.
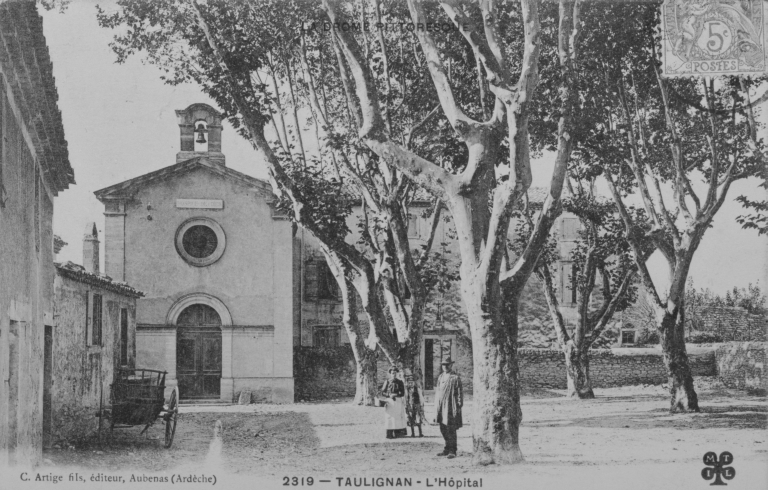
(366,384)
(577,372)
(683,397)
(496,413)
(365,358)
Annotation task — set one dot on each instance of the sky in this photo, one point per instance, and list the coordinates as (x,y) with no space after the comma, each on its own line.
(119,122)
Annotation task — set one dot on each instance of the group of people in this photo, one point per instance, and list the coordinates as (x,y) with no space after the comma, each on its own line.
(404,406)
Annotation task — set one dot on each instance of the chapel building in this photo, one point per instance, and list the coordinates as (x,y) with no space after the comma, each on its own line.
(214,258)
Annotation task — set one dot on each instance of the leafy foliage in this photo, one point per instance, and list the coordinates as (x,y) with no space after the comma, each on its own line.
(750,298)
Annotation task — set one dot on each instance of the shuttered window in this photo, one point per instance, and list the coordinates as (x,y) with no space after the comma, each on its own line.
(327,287)
(327,336)
(568,284)
(413,225)
(96,320)
(123,337)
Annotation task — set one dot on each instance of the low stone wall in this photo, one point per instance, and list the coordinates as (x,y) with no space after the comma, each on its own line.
(730,323)
(329,372)
(620,367)
(741,365)
(322,374)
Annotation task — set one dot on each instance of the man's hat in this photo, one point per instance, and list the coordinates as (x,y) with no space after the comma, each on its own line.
(447,361)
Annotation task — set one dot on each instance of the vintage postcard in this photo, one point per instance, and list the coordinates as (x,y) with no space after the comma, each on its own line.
(427,244)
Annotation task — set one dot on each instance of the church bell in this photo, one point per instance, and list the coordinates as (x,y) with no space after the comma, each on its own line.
(201,130)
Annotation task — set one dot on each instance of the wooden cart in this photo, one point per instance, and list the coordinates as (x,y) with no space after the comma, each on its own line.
(137,397)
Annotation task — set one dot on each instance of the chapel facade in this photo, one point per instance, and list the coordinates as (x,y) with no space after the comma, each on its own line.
(214,258)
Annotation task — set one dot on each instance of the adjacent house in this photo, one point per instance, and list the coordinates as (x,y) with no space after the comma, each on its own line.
(94,334)
(34,167)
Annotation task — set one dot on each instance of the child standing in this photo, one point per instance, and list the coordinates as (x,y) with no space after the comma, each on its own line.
(414,408)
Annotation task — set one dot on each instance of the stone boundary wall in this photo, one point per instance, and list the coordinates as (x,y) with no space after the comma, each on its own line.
(741,365)
(545,368)
(323,374)
(328,373)
(731,323)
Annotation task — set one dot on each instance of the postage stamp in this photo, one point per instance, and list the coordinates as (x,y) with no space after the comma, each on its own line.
(714,37)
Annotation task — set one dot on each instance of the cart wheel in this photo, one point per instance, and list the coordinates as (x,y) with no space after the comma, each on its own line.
(172,413)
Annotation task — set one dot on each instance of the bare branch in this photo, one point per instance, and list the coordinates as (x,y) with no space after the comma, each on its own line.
(631,231)
(418,125)
(461,123)
(603,320)
(433,224)
(542,271)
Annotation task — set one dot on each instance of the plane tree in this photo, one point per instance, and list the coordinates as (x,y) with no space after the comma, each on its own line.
(482,192)
(671,148)
(602,278)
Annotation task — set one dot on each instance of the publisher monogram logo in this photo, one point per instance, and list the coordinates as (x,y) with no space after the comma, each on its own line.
(719,467)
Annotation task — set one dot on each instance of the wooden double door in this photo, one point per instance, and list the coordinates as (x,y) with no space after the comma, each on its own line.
(198,353)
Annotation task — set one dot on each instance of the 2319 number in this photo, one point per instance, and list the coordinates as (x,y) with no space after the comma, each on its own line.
(298,481)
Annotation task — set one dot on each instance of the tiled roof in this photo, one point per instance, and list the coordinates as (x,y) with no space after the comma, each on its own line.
(127,188)
(78,273)
(28,71)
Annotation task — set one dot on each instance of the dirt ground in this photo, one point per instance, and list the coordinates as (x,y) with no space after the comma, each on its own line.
(627,426)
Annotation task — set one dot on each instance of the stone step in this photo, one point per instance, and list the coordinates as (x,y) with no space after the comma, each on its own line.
(214,402)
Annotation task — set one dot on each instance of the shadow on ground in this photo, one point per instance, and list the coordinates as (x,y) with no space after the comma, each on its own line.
(711,417)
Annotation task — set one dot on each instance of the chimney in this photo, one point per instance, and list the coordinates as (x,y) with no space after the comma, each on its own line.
(91,248)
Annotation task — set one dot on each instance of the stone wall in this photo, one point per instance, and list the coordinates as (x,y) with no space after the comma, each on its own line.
(732,324)
(741,365)
(329,373)
(621,367)
(322,374)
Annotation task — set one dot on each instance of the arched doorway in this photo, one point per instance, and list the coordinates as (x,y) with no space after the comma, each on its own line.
(198,352)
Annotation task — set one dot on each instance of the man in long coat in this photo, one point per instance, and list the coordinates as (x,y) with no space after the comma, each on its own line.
(448,402)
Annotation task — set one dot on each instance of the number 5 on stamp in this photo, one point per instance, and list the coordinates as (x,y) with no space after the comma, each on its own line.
(711,37)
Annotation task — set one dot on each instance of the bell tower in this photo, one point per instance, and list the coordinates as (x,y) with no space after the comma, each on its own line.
(200,130)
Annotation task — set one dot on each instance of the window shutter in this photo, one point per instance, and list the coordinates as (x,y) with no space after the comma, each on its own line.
(87,313)
(566,283)
(310,281)
(97,319)
(413,225)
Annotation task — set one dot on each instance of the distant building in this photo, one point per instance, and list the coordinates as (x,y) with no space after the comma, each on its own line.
(34,167)
(94,334)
